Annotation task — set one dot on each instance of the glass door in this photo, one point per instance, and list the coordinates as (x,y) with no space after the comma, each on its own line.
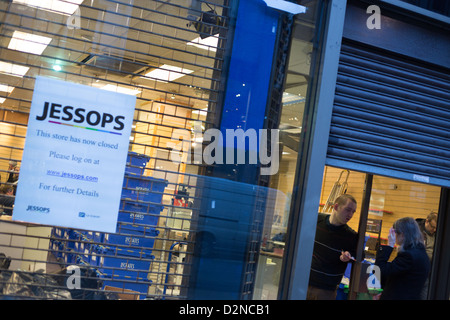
(381,201)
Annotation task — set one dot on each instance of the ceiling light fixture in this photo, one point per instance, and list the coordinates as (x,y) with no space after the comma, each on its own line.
(65,7)
(167,73)
(6,88)
(209,43)
(13,69)
(27,42)
(120,89)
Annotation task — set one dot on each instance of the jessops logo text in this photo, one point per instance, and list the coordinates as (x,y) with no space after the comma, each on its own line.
(233,147)
(93,118)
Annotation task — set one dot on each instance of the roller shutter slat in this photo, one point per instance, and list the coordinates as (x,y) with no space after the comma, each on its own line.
(390,117)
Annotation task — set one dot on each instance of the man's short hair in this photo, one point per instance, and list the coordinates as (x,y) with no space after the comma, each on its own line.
(342,199)
(432,216)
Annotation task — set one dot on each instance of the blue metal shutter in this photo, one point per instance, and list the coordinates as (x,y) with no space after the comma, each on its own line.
(391,116)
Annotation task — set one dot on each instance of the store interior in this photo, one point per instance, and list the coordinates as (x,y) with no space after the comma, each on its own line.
(172,63)
(390,199)
(166,54)
(154,50)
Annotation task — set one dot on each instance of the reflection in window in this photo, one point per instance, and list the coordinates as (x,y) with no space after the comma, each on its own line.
(293,102)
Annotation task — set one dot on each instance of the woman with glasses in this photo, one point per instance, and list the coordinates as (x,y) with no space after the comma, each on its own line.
(404,277)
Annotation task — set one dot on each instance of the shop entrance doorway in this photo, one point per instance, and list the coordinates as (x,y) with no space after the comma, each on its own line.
(380,202)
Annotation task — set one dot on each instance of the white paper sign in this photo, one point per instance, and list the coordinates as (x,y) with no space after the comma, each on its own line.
(74,157)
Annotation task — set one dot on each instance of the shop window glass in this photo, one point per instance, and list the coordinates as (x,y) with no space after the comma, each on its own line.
(294,97)
(390,200)
(169,57)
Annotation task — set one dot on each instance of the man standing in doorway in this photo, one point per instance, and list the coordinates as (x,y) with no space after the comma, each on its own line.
(335,245)
(428,227)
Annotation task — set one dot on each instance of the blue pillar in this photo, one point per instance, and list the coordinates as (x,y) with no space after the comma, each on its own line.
(248,83)
(227,205)
(250,66)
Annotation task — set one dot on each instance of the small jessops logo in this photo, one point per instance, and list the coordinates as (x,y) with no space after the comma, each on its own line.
(81,116)
(40,209)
